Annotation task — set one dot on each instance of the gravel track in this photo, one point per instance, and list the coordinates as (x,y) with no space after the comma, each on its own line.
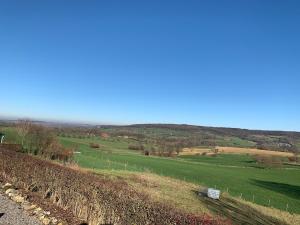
(14,214)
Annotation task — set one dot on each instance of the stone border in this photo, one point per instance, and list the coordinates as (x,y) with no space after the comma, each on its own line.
(32,209)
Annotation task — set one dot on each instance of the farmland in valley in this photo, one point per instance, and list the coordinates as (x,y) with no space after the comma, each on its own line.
(233,165)
(237,173)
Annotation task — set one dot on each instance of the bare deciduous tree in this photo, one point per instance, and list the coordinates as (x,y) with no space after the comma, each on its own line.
(296,154)
(23,127)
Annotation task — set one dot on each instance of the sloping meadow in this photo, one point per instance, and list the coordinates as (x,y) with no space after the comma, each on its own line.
(94,199)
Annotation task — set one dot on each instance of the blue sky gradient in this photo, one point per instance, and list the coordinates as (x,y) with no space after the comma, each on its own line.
(218,63)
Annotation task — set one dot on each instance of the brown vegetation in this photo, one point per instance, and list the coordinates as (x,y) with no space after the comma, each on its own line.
(268,161)
(195,151)
(104,135)
(139,147)
(252,151)
(12,147)
(94,145)
(41,140)
(22,128)
(293,159)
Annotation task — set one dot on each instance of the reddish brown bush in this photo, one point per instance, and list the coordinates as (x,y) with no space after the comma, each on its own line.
(136,147)
(12,147)
(59,153)
(104,135)
(268,161)
(92,198)
(293,159)
(146,153)
(94,145)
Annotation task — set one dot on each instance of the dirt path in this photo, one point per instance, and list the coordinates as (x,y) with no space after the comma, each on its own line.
(12,214)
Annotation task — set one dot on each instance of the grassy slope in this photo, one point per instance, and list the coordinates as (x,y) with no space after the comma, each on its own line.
(280,186)
(184,195)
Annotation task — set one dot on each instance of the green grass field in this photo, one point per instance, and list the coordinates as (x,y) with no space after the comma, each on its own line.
(239,174)
(274,187)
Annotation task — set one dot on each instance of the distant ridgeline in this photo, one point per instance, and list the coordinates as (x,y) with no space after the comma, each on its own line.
(184,135)
(189,136)
(212,136)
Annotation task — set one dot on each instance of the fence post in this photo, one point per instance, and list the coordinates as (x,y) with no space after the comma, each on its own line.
(287,206)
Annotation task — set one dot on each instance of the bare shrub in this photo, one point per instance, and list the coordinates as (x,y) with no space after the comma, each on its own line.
(136,147)
(215,150)
(293,159)
(146,152)
(268,161)
(12,147)
(39,138)
(94,145)
(296,155)
(56,151)
(23,128)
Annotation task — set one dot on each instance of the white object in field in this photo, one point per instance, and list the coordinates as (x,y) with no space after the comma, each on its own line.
(213,193)
(2,137)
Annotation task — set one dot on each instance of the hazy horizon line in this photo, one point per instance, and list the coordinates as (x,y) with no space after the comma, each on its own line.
(101,123)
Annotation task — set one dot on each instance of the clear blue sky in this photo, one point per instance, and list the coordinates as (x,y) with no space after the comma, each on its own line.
(218,63)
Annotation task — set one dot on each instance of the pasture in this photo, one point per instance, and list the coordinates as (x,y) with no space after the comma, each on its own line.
(236,173)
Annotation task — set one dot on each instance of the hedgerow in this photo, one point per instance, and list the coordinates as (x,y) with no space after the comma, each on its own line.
(92,198)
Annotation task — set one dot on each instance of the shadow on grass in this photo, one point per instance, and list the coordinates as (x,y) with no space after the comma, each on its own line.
(237,212)
(249,161)
(289,190)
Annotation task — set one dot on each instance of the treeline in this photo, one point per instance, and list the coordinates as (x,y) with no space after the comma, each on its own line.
(216,130)
(168,147)
(212,136)
(40,140)
(78,132)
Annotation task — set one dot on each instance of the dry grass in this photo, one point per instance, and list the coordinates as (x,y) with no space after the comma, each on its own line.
(234,150)
(195,151)
(184,196)
(286,217)
(253,151)
(178,193)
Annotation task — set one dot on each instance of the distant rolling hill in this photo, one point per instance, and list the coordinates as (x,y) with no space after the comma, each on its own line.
(216,136)
(191,135)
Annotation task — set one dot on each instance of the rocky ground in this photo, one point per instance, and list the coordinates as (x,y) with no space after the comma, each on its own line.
(11,213)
